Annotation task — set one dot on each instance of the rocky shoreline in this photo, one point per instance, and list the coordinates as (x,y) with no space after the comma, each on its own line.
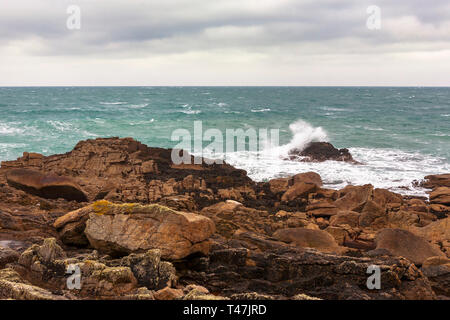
(139,227)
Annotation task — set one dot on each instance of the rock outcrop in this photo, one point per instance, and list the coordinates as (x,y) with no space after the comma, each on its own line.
(321,151)
(155,230)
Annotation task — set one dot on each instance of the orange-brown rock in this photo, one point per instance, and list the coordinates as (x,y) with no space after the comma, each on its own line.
(301,185)
(353,198)
(350,218)
(307,238)
(437,180)
(322,208)
(122,229)
(125,170)
(405,244)
(440,195)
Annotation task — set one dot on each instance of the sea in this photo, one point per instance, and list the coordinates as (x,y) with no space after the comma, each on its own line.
(399,134)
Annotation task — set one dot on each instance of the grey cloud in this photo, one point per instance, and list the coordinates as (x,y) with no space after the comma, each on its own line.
(157,26)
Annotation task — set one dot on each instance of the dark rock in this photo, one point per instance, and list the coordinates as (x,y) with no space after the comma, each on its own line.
(45,185)
(321,151)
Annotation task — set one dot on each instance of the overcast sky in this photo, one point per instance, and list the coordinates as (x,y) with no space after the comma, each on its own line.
(225,42)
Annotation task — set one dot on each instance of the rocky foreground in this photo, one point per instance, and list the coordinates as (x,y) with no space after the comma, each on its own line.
(137,226)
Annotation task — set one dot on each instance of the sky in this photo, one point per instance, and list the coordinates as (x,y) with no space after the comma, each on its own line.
(225,42)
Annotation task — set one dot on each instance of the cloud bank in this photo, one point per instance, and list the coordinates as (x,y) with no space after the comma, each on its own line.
(224,42)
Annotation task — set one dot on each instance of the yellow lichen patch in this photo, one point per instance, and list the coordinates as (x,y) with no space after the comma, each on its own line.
(101,207)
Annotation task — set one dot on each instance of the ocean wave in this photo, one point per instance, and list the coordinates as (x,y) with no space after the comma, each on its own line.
(191,111)
(139,123)
(113,103)
(326,108)
(8,129)
(261,110)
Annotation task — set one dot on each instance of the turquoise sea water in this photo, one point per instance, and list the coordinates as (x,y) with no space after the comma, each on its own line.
(401,134)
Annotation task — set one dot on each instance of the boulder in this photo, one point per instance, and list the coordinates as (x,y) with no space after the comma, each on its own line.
(350,218)
(71,227)
(372,215)
(437,180)
(149,270)
(44,185)
(169,294)
(321,151)
(440,195)
(405,244)
(279,185)
(307,177)
(301,185)
(322,208)
(354,198)
(307,238)
(299,190)
(120,229)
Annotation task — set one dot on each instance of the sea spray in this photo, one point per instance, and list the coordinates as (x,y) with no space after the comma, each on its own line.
(303,134)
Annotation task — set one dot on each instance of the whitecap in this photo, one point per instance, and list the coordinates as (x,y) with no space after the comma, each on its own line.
(113,103)
(261,110)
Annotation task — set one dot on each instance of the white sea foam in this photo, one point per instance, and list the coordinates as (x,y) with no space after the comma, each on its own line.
(7,129)
(392,169)
(261,110)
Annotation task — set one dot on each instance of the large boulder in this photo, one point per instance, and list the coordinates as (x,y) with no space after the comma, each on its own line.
(43,185)
(120,229)
(301,185)
(405,244)
(149,270)
(299,190)
(307,238)
(354,198)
